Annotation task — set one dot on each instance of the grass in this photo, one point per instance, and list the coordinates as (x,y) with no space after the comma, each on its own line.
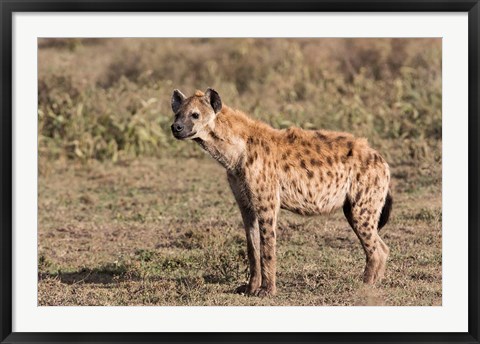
(130,216)
(134,233)
(110,99)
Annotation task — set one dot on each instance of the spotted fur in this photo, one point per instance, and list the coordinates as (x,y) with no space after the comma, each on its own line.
(308,172)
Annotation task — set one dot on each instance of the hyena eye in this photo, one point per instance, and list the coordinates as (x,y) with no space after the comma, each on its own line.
(195,115)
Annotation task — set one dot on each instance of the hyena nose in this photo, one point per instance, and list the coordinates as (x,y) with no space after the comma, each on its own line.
(177,127)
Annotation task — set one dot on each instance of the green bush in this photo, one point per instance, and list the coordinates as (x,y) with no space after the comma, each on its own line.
(109,99)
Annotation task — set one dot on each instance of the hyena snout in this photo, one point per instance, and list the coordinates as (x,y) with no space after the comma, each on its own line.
(182,130)
(177,128)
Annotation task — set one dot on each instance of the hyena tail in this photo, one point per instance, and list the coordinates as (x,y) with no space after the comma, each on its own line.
(387,208)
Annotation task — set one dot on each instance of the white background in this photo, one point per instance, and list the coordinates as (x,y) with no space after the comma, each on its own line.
(452,316)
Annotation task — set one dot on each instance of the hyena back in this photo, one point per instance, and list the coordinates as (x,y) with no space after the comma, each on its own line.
(308,172)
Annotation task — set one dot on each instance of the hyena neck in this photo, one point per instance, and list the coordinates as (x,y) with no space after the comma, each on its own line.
(225,141)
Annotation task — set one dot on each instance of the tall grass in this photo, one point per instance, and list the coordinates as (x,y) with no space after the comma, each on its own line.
(109,99)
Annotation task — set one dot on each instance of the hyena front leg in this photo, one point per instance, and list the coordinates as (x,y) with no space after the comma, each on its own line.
(267,210)
(250,222)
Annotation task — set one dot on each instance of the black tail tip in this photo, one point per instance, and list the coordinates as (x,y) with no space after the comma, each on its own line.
(386,210)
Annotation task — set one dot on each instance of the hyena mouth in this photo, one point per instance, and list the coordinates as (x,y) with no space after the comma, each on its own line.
(181,136)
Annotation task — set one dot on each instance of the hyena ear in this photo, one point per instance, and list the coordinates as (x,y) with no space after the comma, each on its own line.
(214,99)
(177,99)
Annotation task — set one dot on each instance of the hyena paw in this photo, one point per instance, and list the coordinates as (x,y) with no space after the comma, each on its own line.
(264,292)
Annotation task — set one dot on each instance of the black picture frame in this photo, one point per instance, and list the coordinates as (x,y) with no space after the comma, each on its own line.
(9,7)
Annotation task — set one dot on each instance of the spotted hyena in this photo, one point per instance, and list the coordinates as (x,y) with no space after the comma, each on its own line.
(307,172)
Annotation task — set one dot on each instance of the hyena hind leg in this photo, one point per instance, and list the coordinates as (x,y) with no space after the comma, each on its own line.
(365,225)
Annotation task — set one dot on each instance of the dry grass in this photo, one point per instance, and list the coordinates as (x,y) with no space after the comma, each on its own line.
(130,216)
(135,233)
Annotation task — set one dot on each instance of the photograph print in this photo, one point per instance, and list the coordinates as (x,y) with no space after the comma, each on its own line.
(239,172)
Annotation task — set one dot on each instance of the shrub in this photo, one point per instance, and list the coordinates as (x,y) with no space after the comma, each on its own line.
(110,98)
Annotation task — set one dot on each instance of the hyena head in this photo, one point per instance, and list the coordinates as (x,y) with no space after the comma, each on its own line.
(195,115)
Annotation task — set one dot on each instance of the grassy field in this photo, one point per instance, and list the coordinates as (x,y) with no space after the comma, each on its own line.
(135,233)
(130,216)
